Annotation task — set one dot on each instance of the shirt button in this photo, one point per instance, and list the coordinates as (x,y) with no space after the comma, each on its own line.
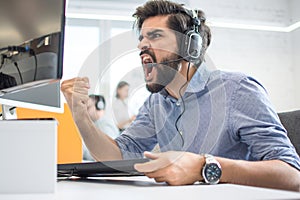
(177,103)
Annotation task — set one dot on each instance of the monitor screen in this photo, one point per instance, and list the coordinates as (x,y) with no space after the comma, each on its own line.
(31,53)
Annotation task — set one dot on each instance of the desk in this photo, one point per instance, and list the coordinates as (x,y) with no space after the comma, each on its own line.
(142,188)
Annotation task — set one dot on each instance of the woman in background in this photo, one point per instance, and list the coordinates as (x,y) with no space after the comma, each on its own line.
(120,106)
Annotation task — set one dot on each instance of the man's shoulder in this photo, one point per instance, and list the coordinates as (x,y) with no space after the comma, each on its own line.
(231,80)
(227,76)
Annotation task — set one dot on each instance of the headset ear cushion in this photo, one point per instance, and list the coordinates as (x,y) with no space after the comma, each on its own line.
(195,45)
(100,105)
(191,46)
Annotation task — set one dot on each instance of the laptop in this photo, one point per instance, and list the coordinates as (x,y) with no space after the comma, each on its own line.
(100,169)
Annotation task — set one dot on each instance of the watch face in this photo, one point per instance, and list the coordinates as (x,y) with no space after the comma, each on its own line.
(212,172)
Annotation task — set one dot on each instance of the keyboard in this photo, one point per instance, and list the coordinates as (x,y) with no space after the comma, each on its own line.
(100,169)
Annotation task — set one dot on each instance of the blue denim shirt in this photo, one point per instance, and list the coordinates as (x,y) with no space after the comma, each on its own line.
(224,114)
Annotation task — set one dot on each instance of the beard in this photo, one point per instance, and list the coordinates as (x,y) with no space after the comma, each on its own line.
(165,73)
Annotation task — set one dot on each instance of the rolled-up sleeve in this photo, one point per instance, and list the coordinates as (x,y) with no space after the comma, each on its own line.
(255,123)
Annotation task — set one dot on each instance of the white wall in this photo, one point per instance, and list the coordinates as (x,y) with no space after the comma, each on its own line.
(294,6)
(264,55)
(264,12)
(296,47)
(295,37)
(268,56)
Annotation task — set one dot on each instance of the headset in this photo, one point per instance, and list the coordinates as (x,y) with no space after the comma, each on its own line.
(191,45)
(100,104)
(99,101)
(190,51)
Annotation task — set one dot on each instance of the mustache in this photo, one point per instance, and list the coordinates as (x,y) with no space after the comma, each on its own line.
(146,51)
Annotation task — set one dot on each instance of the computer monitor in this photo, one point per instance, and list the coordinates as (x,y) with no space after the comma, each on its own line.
(31,53)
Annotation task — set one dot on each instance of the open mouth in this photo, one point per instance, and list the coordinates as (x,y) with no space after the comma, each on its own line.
(148,66)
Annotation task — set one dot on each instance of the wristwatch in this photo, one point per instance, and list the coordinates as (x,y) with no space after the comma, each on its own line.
(211,171)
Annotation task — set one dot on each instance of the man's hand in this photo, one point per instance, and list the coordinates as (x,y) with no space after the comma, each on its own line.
(76,93)
(173,167)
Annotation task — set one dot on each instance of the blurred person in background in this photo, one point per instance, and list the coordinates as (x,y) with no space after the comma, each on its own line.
(120,106)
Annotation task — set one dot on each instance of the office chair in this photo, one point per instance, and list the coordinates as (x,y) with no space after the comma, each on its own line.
(291,122)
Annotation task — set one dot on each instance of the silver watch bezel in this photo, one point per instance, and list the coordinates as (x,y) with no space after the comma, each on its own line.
(209,159)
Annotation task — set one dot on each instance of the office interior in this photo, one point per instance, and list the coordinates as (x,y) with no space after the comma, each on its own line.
(258,38)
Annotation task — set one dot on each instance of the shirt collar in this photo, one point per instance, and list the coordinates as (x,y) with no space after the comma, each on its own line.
(199,79)
(197,83)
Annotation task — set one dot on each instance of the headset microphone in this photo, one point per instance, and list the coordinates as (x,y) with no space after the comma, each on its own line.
(149,65)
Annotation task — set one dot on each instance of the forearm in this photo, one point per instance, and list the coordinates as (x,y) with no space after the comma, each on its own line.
(101,146)
(272,174)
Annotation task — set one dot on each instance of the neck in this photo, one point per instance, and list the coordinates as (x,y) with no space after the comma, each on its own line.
(181,80)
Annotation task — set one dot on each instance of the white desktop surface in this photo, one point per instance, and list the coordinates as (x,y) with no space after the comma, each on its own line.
(142,188)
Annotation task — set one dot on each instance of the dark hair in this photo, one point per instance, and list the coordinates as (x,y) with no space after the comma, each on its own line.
(97,99)
(178,19)
(119,86)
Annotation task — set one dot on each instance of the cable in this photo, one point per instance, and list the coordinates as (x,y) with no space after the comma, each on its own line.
(36,65)
(20,75)
(183,105)
(3,49)
(2,61)
(20,49)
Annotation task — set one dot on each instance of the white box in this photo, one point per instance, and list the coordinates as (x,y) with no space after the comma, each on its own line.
(28,152)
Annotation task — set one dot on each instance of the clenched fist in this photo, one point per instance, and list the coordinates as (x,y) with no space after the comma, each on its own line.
(76,93)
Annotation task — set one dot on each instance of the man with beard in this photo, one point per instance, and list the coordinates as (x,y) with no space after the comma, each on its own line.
(210,125)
